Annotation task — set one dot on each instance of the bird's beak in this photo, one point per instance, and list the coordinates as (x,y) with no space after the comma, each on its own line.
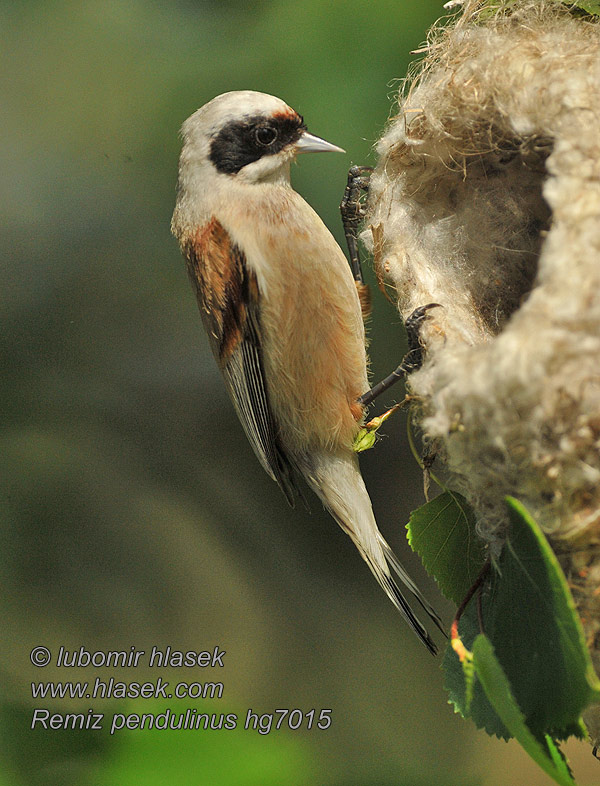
(308,143)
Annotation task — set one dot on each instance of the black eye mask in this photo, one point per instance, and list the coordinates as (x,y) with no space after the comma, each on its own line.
(241,142)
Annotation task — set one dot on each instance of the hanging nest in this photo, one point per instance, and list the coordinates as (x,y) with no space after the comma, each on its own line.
(486,200)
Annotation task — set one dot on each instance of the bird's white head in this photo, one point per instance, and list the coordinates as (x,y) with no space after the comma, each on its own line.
(247,135)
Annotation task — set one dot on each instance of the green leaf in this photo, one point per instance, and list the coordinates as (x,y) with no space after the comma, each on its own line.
(553,678)
(529,616)
(589,6)
(442,532)
(468,668)
(498,691)
(558,757)
(470,702)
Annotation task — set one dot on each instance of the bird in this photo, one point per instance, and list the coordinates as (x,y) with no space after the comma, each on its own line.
(281,310)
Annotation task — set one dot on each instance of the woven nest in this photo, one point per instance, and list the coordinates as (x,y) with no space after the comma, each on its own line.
(486,200)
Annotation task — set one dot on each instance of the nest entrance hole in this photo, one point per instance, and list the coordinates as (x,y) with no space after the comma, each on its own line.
(502,219)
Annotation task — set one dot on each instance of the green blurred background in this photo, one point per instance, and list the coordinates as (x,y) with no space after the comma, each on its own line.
(133,510)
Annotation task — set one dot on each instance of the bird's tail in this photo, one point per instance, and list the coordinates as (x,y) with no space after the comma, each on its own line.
(336,479)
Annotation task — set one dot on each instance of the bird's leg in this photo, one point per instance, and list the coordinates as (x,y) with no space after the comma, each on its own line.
(413,359)
(353,213)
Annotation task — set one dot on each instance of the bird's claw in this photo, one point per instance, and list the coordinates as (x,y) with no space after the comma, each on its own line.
(413,360)
(353,213)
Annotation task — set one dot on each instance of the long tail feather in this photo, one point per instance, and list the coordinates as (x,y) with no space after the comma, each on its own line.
(391,589)
(398,569)
(337,481)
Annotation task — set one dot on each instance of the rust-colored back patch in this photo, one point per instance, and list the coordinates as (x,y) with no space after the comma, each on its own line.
(224,287)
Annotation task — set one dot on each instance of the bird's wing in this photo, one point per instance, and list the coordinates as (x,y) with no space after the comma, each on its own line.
(229,302)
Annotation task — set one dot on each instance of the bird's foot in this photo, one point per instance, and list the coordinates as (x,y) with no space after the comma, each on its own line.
(353,212)
(413,359)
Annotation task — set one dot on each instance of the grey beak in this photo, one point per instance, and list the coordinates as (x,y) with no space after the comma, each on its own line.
(308,143)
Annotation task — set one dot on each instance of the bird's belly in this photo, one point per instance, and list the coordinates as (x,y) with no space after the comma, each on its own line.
(315,360)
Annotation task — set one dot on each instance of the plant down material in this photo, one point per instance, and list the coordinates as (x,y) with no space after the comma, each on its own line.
(486,199)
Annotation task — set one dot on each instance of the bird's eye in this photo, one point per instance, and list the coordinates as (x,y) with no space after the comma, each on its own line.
(265,135)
